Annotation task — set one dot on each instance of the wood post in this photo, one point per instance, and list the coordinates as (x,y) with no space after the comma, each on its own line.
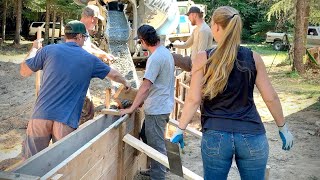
(107,99)
(38,73)
(120,173)
(137,126)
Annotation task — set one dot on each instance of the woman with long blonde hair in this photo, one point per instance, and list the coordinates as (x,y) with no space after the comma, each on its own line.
(222,82)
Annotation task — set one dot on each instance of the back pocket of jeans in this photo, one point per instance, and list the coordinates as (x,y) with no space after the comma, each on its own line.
(257,144)
(211,141)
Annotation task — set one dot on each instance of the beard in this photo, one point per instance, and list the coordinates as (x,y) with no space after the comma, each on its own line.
(193,22)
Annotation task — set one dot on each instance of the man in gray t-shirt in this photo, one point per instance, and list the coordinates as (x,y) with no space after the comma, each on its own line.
(157,94)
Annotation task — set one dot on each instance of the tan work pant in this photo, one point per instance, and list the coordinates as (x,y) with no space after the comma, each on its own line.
(39,134)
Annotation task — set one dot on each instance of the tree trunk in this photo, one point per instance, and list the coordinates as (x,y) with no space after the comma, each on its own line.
(299,36)
(18,23)
(4,19)
(53,25)
(61,24)
(306,20)
(46,34)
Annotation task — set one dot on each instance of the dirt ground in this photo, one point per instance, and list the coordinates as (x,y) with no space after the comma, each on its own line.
(299,97)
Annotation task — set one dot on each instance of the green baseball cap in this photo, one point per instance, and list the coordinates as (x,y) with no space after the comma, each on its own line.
(75,27)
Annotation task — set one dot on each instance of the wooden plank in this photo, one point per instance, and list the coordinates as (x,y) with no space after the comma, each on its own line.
(57,177)
(4,175)
(103,165)
(80,162)
(123,95)
(47,159)
(113,112)
(154,154)
(188,129)
(120,152)
(138,119)
(177,107)
(181,75)
(107,98)
(112,171)
(109,171)
(67,168)
(182,104)
(184,85)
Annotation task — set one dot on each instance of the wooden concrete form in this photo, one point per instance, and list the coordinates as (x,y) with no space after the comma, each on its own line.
(94,151)
(181,89)
(16,176)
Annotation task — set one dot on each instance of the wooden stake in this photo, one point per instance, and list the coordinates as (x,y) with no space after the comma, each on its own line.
(107,99)
(121,152)
(38,73)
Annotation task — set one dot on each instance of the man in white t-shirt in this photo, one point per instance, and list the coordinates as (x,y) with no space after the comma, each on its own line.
(157,94)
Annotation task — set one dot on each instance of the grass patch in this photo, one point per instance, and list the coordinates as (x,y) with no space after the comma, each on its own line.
(8,48)
(269,55)
(293,74)
(264,49)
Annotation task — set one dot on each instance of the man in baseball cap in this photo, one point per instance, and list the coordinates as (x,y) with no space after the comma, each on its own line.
(156,93)
(67,70)
(146,32)
(194,9)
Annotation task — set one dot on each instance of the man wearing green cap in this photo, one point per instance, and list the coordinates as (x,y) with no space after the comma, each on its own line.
(67,71)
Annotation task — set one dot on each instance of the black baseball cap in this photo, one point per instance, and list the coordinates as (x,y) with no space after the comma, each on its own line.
(194,9)
(145,31)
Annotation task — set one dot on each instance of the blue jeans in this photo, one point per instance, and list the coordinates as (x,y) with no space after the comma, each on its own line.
(250,150)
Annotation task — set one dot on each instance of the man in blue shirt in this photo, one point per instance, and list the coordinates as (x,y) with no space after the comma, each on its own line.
(67,71)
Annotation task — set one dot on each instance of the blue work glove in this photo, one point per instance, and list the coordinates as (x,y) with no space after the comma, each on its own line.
(286,137)
(178,137)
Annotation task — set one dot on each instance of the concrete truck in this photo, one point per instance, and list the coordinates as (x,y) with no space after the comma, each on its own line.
(166,16)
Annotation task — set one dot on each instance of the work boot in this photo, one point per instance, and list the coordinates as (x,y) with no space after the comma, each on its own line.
(145,172)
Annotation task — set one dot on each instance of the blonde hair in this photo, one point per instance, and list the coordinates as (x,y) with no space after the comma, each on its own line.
(220,64)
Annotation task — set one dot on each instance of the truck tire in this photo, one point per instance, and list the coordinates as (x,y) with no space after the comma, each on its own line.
(278,45)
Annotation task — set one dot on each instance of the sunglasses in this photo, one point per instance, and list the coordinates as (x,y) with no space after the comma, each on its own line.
(84,36)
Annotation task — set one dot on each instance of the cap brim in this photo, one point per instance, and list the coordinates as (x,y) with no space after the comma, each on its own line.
(187,14)
(100,17)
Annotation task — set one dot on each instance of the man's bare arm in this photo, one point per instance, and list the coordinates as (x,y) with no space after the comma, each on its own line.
(114,75)
(25,71)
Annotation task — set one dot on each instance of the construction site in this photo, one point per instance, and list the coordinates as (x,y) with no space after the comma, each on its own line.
(108,147)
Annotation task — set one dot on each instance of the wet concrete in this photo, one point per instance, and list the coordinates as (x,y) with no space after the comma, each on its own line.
(117,34)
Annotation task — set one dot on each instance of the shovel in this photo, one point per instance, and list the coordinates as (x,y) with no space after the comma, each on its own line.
(174,158)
